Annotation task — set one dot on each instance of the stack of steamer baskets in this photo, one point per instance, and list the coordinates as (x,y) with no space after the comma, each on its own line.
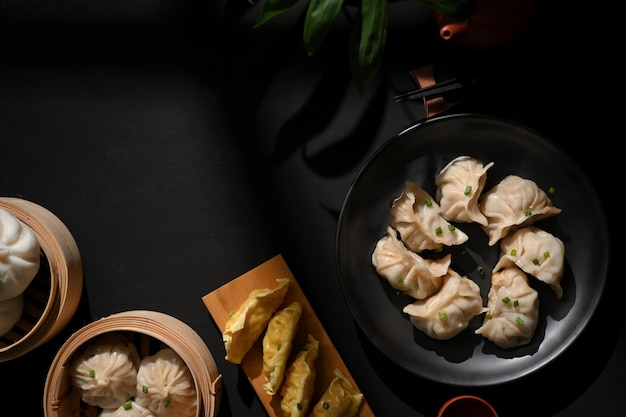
(51,300)
(52,297)
(150,331)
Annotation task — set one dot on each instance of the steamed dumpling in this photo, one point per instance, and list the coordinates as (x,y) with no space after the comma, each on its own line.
(105,373)
(247,324)
(405,270)
(10,313)
(165,385)
(277,345)
(340,399)
(417,217)
(536,252)
(299,384)
(446,313)
(19,256)
(512,309)
(459,185)
(128,409)
(513,203)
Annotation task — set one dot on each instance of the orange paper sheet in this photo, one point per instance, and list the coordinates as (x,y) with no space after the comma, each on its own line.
(229,297)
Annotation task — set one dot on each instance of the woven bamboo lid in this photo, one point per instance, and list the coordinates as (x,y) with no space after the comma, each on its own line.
(53,296)
(150,331)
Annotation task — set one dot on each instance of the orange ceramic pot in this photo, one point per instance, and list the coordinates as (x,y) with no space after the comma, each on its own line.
(494,24)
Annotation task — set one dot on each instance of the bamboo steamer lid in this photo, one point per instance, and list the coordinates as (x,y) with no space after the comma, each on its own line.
(53,296)
(150,330)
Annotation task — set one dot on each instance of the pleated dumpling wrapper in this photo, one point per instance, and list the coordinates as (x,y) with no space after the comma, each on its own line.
(512,309)
(459,185)
(448,312)
(165,385)
(406,270)
(417,217)
(105,370)
(340,399)
(277,345)
(247,324)
(513,203)
(536,252)
(299,384)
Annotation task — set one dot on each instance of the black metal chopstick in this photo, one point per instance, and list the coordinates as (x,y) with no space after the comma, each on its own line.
(430,91)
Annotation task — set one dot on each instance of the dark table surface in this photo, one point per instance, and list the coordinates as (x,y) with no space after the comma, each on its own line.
(183,148)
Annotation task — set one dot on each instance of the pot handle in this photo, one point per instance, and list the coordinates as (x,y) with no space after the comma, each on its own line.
(424,76)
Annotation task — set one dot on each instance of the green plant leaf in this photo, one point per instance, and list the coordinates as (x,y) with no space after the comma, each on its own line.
(320,16)
(456,9)
(273,8)
(368,36)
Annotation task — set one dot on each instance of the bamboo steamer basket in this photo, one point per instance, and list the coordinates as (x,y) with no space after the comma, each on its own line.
(53,296)
(150,331)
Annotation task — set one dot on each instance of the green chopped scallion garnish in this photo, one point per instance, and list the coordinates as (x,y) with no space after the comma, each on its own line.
(481,270)
(92,373)
(552,190)
(546,255)
(468,190)
(299,406)
(279,346)
(451,227)
(516,303)
(519,321)
(400,280)
(536,261)
(428,202)
(231,313)
(166,403)
(489,316)
(443,316)
(128,405)
(513,252)
(528,213)
(506,300)
(144,389)
(438,231)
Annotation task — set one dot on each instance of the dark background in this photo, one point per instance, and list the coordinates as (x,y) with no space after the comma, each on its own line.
(182,148)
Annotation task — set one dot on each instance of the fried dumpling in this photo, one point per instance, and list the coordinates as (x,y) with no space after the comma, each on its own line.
(512,309)
(513,203)
(165,385)
(19,256)
(247,324)
(299,384)
(459,185)
(340,399)
(277,345)
(105,372)
(417,217)
(407,271)
(446,313)
(536,252)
